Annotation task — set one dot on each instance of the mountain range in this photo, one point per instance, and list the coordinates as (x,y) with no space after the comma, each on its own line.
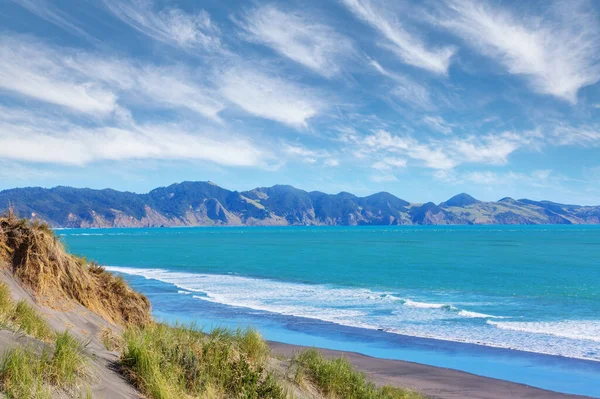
(206,204)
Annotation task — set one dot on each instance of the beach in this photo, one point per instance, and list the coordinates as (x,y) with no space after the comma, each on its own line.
(508,303)
(433,382)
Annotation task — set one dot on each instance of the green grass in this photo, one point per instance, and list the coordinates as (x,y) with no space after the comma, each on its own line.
(22,374)
(337,378)
(30,372)
(173,362)
(22,317)
(28,320)
(69,363)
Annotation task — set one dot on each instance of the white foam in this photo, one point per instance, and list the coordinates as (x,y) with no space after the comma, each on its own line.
(426,305)
(183,292)
(391,312)
(475,315)
(575,329)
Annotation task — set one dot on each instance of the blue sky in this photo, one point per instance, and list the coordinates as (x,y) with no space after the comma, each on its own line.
(423,99)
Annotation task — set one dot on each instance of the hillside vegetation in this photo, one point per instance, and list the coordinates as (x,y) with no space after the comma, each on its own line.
(161,361)
(206,204)
(39,261)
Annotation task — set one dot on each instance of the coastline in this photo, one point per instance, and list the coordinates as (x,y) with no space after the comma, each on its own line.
(432,381)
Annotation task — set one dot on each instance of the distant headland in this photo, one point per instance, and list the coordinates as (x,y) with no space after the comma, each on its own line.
(206,204)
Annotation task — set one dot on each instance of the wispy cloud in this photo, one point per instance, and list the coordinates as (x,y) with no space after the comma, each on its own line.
(51,13)
(29,69)
(270,97)
(438,123)
(407,46)
(406,89)
(96,84)
(536,178)
(172,26)
(382,146)
(577,135)
(388,163)
(31,137)
(299,38)
(559,52)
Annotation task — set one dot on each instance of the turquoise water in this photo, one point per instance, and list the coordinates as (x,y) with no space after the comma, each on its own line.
(514,302)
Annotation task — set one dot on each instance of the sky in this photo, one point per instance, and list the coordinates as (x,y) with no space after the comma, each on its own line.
(423,99)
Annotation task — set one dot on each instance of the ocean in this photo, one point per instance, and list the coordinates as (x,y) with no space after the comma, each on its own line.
(520,303)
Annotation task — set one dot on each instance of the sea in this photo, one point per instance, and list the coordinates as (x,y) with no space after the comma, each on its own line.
(518,303)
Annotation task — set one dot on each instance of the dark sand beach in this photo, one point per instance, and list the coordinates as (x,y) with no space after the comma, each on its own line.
(435,382)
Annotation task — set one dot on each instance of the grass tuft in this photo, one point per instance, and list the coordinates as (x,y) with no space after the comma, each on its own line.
(29,372)
(337,378)
(69,363)
(173,362)
(28,320)
(21,374)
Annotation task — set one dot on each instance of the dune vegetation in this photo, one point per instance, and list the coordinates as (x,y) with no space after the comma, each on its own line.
(36,371)
(39,261)
(337,378)
(161,361)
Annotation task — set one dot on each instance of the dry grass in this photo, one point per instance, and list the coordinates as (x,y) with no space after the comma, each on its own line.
(111,340)
(38,259)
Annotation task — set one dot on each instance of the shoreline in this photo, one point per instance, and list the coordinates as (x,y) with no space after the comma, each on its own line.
(432,381)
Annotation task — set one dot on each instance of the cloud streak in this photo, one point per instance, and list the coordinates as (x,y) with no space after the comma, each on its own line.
(172,26)
(94,84)
(408,47)
(270,97)
(30,137)
(298,37)
(558,53)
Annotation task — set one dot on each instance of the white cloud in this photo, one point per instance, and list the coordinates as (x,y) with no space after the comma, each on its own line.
(30,70)
(388,163)
(30,137)
(269,97)
(168,25)
(96,84)
(384,178)
(298,37)
(558,52)
(536,178)
(332,162)
(490,149)
(436,154)
(52,14)
(430,156)
(582,135)
(438,123)
(409,48)
(407,90)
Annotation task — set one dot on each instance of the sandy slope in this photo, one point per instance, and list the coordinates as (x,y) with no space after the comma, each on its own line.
(105,381)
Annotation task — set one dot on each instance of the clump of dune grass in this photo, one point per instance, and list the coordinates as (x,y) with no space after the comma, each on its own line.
(173,362)
(37,257)
(69,362)
(22,374)
(22,317)
(33,372)
(337,378)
